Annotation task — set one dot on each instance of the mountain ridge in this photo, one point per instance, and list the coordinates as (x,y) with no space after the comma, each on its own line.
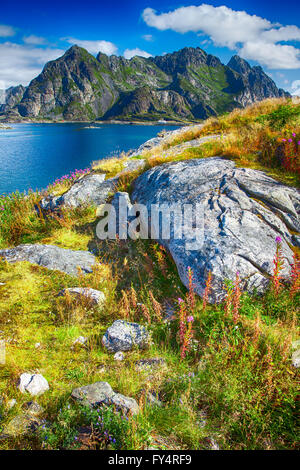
(188,84)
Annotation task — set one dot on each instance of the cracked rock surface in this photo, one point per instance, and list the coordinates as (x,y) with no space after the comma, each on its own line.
(51,257)
(90,189)
(241,213)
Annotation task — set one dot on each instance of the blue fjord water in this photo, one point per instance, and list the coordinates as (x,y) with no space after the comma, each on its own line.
(34,155)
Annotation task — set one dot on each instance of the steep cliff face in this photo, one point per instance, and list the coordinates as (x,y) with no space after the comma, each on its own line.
(10,98)
(256,84)
(187,84)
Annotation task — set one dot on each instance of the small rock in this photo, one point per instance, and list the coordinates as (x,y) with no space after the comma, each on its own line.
(152,399)
(149,364)
(33,408)
(37,345)
(125,336)
(11,403)
(80,341)
(94,394)
(24,423)
(213,445)
(95,297)
(101,393)
(35,384)
(296,358)
(126,404)
(119,356)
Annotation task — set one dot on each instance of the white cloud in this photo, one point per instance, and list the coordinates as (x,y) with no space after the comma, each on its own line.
(225,26)
(285,33)
(251,36)
(6,31)
(129,53)
(295,88)
(148,37)
(94,47)
(22,63)
(274,56)
(34,40)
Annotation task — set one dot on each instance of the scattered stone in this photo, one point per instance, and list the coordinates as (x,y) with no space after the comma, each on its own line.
(133,165)
(11,403)
(35,384)
(37,345)
(51,257)
(33,408)
(94,394)
(240,212)
(124,403)
(80,341)
(95,297)
(146,146)
(296,358)
(101,393)
(152,399)
(213,445)
(177,149)
(125,336)
(22,424)
(150,364)
(119,356)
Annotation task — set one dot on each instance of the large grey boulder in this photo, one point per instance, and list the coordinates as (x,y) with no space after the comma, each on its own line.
(51,257)
(125,336)
(101,393)
(241,213)
(90,189)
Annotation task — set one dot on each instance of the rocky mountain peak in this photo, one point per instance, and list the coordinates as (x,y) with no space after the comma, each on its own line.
(178,61)
(186,84)
(239,65)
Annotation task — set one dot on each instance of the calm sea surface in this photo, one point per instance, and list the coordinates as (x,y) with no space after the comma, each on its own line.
(34,155)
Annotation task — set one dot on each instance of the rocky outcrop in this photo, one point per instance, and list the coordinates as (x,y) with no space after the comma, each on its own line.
(101,393)
(90,189)
(240,214)
(51,257)
(93,296)
(125,336)
(186,84)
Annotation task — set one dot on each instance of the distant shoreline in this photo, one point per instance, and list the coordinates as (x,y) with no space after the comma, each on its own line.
(89,123)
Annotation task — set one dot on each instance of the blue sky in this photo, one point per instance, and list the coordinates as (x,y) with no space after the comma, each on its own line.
(265,33)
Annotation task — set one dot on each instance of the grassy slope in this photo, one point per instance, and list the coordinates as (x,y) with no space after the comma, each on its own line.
(238,375)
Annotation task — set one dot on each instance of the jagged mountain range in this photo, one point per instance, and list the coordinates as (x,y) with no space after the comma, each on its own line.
(185,85)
